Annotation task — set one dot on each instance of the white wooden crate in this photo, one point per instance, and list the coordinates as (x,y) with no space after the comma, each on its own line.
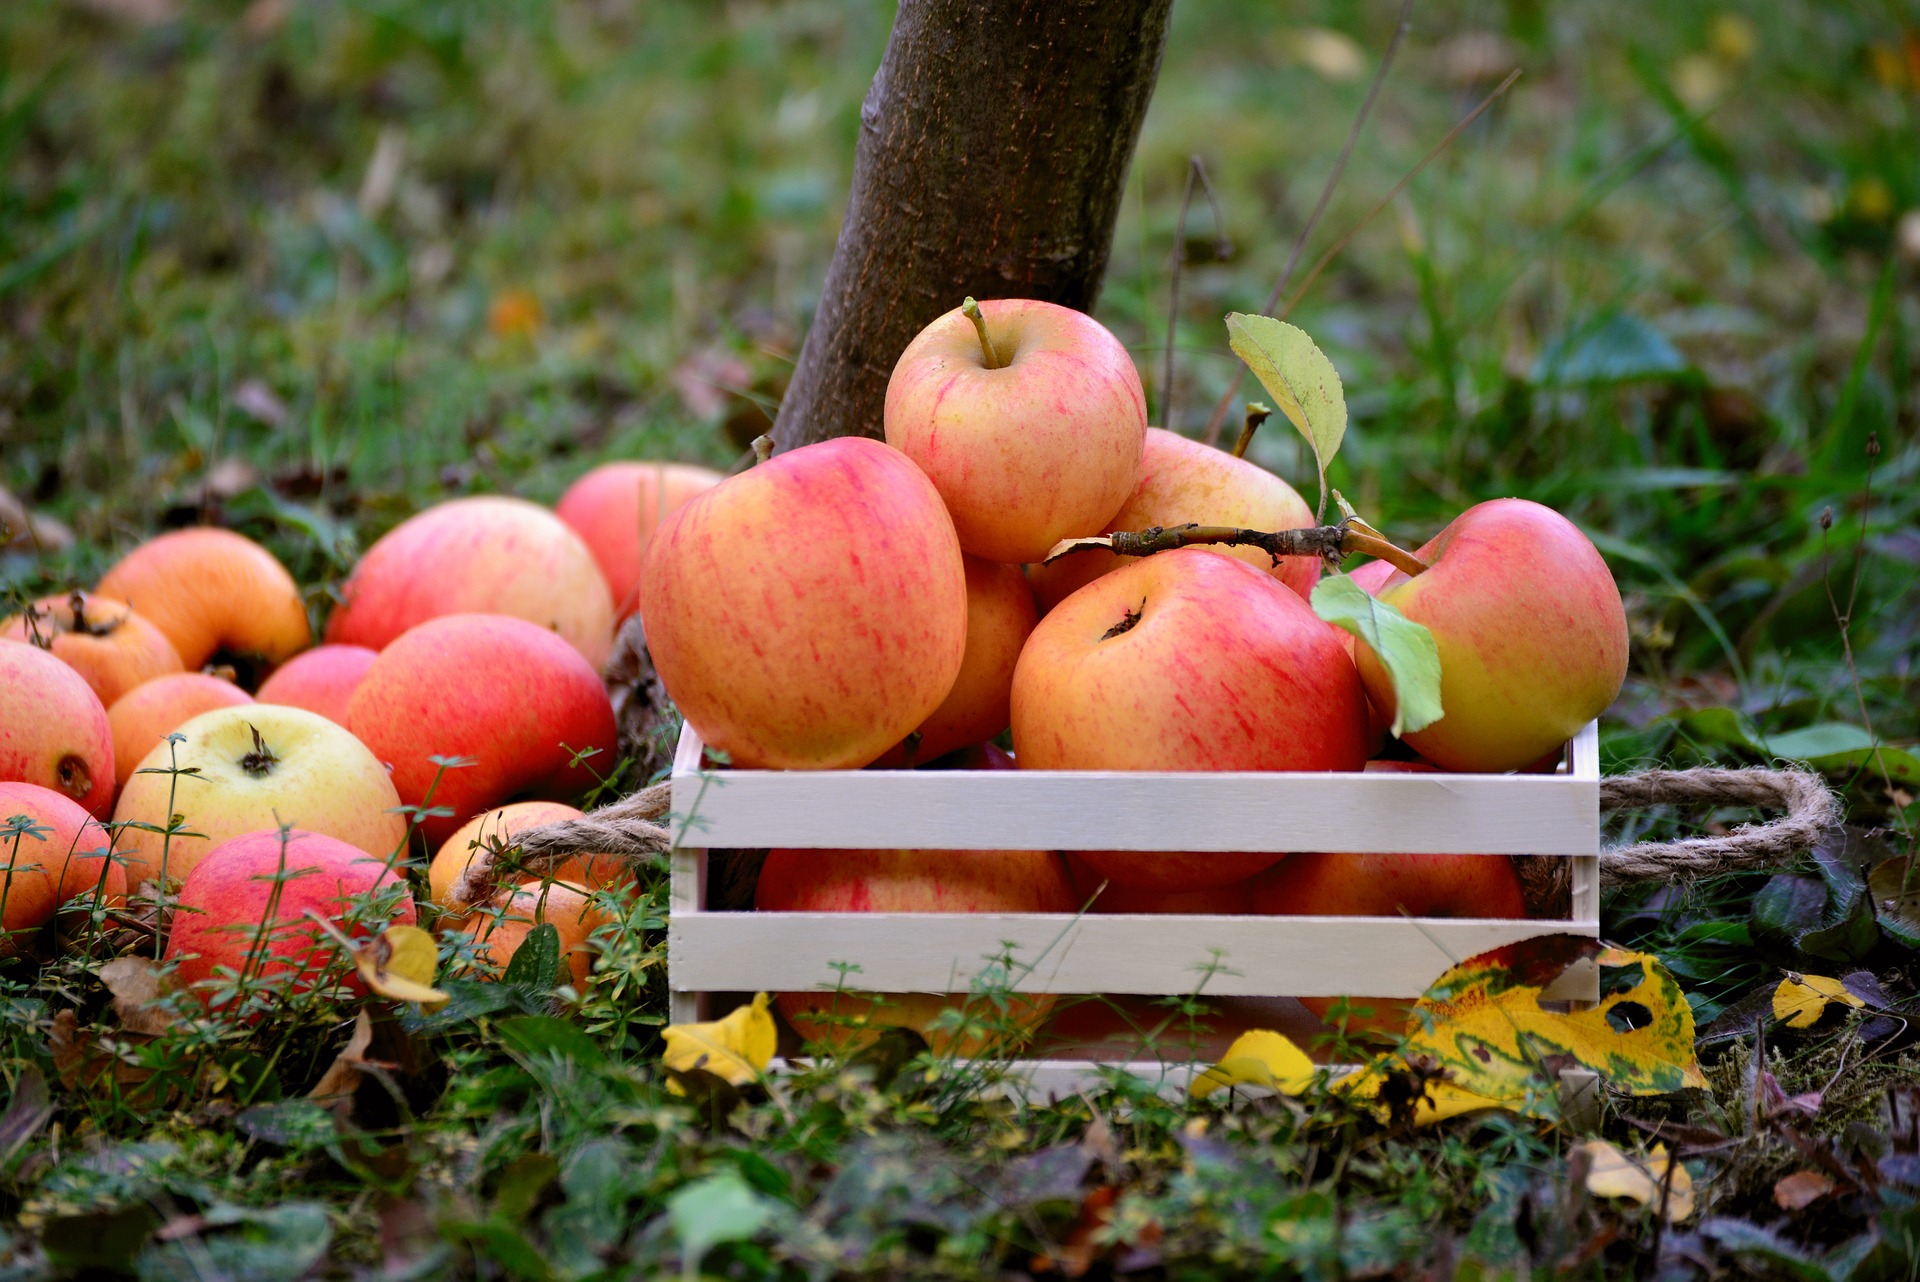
(713,952)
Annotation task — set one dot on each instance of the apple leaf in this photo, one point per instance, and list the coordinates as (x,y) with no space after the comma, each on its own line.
(1801,1000)
(398,963)
(1257,1058)
(1655,1180)
(1302,381)
(735,1049)
(1406,648)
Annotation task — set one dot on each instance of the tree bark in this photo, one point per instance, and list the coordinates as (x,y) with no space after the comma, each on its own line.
(993,154)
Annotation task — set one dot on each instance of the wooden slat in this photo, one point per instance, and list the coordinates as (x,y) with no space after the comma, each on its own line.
(940,952)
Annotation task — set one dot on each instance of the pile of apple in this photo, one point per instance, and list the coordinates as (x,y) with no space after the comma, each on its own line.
(458,696)
(854,602)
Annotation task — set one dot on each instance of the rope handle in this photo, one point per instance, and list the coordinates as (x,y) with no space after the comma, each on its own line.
(1806,808)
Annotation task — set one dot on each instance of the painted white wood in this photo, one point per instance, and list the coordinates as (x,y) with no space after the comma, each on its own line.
(1060,953)
(1106,810)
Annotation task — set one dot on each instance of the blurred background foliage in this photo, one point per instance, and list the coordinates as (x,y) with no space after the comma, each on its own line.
(307,265)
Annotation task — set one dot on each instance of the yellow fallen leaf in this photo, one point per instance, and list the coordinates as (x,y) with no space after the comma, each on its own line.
(1801,1000)
(514,313)
(398,963)
(1611,1173)
(1257,1058)
(736,1049)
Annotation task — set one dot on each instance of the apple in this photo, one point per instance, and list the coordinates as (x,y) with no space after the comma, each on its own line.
(1530,629)
(1233,899)
(53,729)
(1038,444)
(516,699)
(484,555)
(321,680)
(60,859)
(151,711)
(101,639)
(909,881)
(1000,616)
(570,910)
(1186,660)
(244,907)
(1182,481)
(255,767)
(615,509)
(594,872)
(213,592)
(1368,885)
(810,612)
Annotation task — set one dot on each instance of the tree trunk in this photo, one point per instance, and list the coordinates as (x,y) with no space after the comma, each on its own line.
(993,153)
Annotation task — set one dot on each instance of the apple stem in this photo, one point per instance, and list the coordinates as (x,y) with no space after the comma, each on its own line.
(1256,415)
(762,448)
(1328,542)
(971,310)
(261,760)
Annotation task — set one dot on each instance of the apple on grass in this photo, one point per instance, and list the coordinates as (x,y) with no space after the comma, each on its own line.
(483,555)
(1530,629)
(213,592)
(1373,885)
(571,910)
(615,509)
(1186,660)
(810,612)
(911,881)
(522,706)
(101,639)
(148,713)
(1030,425)
(245,769)
(53,729)
(321,680)
(1184,481)
(243,909)
(58,857)
(503,824)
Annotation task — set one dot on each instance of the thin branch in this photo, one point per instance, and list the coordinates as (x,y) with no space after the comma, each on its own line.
(1327,542)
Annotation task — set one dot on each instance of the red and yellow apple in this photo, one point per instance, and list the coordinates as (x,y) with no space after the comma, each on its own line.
(1233,899)
(53,729)
(244,908)
(591,872)
(909,881)
(515,699)
(322,680)
(809,613)
(211,592)
(1186,661)
(250,768)
(151,711)
(483,555)
(570,910)
(60,859)
(615,509)
(101,639)
(1531,634)
(1183,481)
(1039,443)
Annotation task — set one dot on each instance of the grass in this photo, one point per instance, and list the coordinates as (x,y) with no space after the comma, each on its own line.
(305,268)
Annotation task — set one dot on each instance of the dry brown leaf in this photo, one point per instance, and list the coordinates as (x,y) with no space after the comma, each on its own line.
(1801,1189)
(342,1077)
(138,995)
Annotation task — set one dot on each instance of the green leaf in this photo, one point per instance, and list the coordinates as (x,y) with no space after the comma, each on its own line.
(545,1035)
(720,1208)
(1896,899)
(1302,381)
(536,963)
(1617,349)
(273,1244)
(1406,648)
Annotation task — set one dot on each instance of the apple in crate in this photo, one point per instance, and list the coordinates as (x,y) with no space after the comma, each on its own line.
(809,613)
(244,907)
(615,509)
(59,861)
(518,701)
(911,881)
(483,555)
(213,592)
(53,730)
(147,714)
(249,768)
(1183,481)
(1370,885)
(1235,899)
(1187,660)
(322,680)
(1530,629)
(101,639)
(1032,442)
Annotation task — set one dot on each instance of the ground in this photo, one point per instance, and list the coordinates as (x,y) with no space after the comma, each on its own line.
(305,268)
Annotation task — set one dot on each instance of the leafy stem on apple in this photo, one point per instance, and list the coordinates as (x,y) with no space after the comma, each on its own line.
(1256,415)
(971,310)
(1328,542)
